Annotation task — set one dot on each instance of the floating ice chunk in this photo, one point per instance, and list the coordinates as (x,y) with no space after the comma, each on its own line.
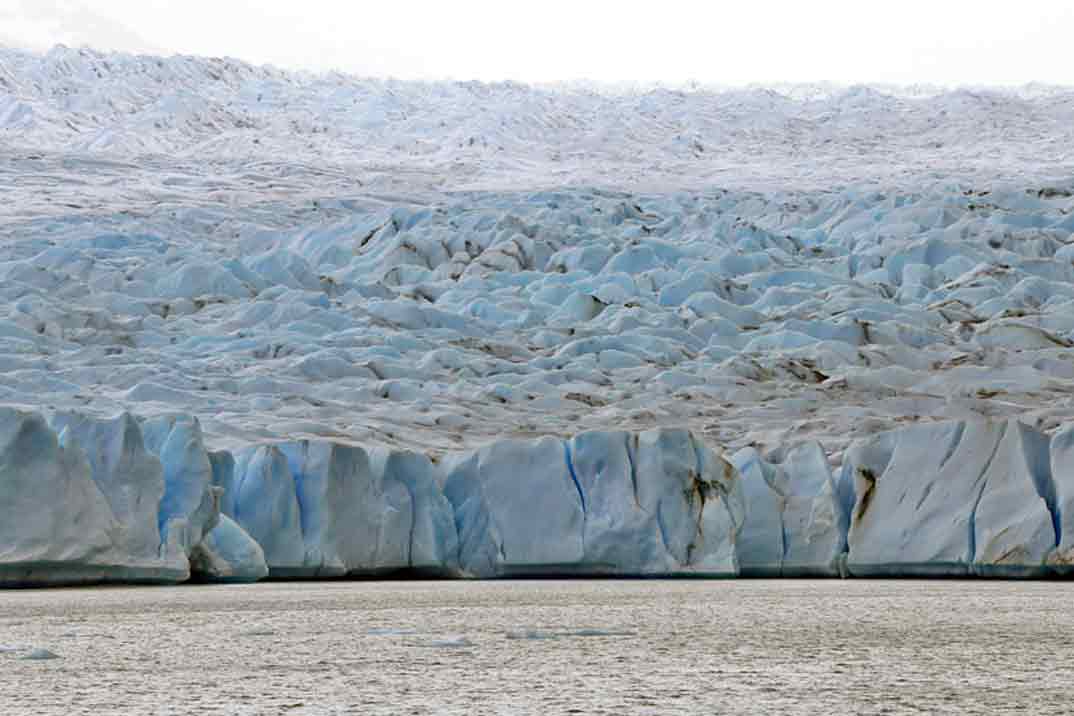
(530,635)
(599,633)
(258,632)
(390,631)
(40,654)
(454,642)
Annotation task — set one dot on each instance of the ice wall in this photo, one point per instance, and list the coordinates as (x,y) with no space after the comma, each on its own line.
(86,499)
(652,503)
(952,499)
(656,503)
(795,525)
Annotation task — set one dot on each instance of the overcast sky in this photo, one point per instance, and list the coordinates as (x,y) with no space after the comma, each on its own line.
(711,41)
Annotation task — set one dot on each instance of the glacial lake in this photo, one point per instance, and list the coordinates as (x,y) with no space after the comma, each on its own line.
(542,647)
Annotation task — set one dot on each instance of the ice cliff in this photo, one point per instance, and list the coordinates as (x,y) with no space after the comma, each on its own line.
(143,500)
(87,500)
(953,499)
(126,500)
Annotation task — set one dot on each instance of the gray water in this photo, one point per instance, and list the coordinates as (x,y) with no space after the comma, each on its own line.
(542,647)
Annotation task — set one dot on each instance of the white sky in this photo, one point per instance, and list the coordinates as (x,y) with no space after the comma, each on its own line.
(722,42)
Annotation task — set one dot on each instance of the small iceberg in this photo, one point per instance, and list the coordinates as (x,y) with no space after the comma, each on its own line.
(531,634)
(390,631)
(599,632)
(455,642)
(40,655)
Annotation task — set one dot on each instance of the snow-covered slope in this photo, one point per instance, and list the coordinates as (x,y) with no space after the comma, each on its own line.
(269,133)
(480,275)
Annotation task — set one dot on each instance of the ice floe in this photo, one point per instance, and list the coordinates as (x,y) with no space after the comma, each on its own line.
(40,654)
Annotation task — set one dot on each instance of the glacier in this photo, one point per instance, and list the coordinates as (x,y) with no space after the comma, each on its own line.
(266,324)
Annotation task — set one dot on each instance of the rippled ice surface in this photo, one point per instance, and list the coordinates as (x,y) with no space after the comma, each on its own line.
(542,647)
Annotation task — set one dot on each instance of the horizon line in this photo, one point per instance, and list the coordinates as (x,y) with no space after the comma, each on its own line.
(908,90)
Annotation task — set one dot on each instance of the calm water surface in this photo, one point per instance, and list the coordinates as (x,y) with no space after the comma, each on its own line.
(543,647)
